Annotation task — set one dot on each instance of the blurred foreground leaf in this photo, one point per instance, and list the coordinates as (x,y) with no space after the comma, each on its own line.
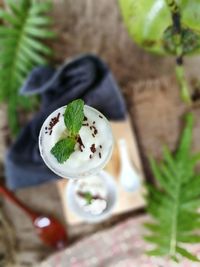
(24,26)
(174,203)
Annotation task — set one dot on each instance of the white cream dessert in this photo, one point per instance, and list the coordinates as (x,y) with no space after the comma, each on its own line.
(93,147)
(91,194)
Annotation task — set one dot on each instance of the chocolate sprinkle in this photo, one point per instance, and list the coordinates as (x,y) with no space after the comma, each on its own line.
(95,130)
(80,142)
(93,148)
(100,146)
(52,123)
(90,156)
(100,117)
(100,155)
(85,118)
(93,122)
(85,124)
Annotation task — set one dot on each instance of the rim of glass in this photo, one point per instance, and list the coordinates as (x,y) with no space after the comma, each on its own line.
(73,175)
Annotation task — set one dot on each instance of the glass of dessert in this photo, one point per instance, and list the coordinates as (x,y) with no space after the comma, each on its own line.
(76,142)
(93,198)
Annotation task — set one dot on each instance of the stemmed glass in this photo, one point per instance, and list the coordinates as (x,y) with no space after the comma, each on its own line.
(79,165)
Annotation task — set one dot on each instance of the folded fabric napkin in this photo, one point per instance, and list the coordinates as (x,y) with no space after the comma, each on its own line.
(85,77)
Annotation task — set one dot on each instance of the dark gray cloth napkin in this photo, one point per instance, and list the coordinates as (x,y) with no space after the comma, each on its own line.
(86,77)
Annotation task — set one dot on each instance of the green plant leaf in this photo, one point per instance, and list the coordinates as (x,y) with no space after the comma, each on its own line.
(189,238)
(88,197)
(174,203)
(185,142)
(9,18)
(149,23)
(190,41)
(161,178)
(16,9)
(156,252)
(38,33)
(40,7)
(24,25)
(39,21)
(186,254)
(191,205)
(191,190)
(4,32)
(34,57)
(73,116)
(36,45)
(63,149)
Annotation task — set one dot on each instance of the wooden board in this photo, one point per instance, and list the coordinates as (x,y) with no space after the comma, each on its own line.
(126,200)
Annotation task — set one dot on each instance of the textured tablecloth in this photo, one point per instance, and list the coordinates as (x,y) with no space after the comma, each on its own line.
(121,246)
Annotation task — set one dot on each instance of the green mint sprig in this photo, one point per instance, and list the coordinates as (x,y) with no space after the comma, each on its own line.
(73,118)
(88,197)
(63,149)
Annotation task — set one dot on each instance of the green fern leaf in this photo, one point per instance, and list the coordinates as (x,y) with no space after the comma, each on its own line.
(186,254)
(157,252)
(36,45)
(9,18)
(39,21)
(40,7)
(174,203)
(4,32)
(24,26)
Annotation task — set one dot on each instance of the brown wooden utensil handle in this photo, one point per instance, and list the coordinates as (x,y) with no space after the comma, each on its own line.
(10,195)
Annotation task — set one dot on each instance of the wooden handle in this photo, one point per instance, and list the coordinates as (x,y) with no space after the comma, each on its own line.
(5,192)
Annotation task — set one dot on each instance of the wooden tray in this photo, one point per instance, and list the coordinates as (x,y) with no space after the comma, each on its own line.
(126,200)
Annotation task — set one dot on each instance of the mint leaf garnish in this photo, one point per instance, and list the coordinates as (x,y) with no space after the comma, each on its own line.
(63,149)
(73,116)
(88,197)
